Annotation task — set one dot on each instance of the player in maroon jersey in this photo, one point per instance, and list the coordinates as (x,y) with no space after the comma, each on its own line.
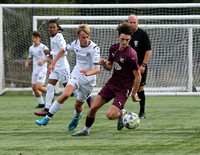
(125,79)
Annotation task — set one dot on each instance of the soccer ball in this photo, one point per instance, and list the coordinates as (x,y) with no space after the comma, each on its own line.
(131,120)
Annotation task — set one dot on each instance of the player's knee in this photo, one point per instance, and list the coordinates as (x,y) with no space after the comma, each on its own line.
(110,116)
(34,87)
(93,110)
(50,87)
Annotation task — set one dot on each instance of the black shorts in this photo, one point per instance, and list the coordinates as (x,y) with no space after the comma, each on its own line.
(144,77)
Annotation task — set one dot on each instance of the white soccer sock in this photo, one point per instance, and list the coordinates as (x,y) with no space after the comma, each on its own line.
(76,115)
(87,129)
(55,107)
(40,100)
(49,95)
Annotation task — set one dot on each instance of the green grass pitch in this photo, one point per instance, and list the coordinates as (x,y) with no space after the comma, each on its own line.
(172,127)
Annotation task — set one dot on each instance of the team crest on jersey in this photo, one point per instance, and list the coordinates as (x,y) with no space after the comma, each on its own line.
(40,51)
(135,43)
(122,60)
(117,66)
(87,54)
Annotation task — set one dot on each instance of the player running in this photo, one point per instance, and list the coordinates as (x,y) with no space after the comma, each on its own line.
(126,76)
(39,53)
(83,76)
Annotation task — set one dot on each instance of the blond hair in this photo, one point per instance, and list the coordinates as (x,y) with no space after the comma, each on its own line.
(84,28)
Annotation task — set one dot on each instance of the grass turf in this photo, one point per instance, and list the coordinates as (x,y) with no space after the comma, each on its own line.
(171,127)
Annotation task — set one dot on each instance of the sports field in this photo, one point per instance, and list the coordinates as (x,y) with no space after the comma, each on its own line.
(172,127)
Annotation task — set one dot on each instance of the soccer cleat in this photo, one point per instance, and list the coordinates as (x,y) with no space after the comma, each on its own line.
(40,106)
(142,115)
(41,113)
(81,133)
(43,121)
(74,123)
(90,101)
(120,123)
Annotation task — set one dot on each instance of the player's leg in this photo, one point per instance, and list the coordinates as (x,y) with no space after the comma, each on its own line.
(49,97)
(82,94)
(57,105)
(90,101)
(98,103)
(40,82)
(116,110)
(40,88)
(37,93)
(78,108)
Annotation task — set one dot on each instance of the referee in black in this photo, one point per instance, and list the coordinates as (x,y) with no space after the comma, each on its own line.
(141,44)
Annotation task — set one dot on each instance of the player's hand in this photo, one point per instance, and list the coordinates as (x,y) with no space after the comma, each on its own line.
(40,63)
(135,99)
(84,71)
(142,69)
(26,65)
(50,69)
(102,61)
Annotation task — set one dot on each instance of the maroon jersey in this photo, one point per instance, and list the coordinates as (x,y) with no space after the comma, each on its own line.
(124,62)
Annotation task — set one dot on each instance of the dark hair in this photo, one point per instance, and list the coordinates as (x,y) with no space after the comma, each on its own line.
(56,22)
(125,28)
(36,34)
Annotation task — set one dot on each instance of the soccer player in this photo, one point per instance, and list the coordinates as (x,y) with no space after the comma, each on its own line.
(124,80)
(62,68)
(39,53)
(141,44)
(83,76)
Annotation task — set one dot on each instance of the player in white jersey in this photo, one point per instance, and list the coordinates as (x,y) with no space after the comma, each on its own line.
(83,76)
(62,69)
(39,53)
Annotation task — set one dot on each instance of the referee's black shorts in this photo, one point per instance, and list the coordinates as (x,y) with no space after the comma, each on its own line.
(144,77)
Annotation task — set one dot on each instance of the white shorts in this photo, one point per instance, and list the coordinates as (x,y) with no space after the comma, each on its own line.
(82,91)
(62,75)
(38,78)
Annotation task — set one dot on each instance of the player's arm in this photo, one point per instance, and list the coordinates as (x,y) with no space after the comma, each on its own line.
(52,65)
(47,52)
(40,63)
(96,70)
(145,61)
(137,81)
(106,64)
(28,60)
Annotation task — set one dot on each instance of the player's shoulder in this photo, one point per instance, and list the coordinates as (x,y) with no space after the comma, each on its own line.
(31,46)
(42,45)
(94,46)
(59,36)
(74,43)
(131,51)
(114,46)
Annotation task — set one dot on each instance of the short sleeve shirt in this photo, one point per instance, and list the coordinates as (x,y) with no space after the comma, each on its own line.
(140,43)
(37,54)
(125,62)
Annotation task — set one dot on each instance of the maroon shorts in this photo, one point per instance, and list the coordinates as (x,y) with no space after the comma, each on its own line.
(120,95)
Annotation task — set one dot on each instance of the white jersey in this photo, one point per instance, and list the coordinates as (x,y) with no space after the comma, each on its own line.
(37,54)
(58,43)
(86,58)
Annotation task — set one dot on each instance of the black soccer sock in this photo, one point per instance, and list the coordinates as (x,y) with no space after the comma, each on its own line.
(49,114)
(89,121)
(141,96)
